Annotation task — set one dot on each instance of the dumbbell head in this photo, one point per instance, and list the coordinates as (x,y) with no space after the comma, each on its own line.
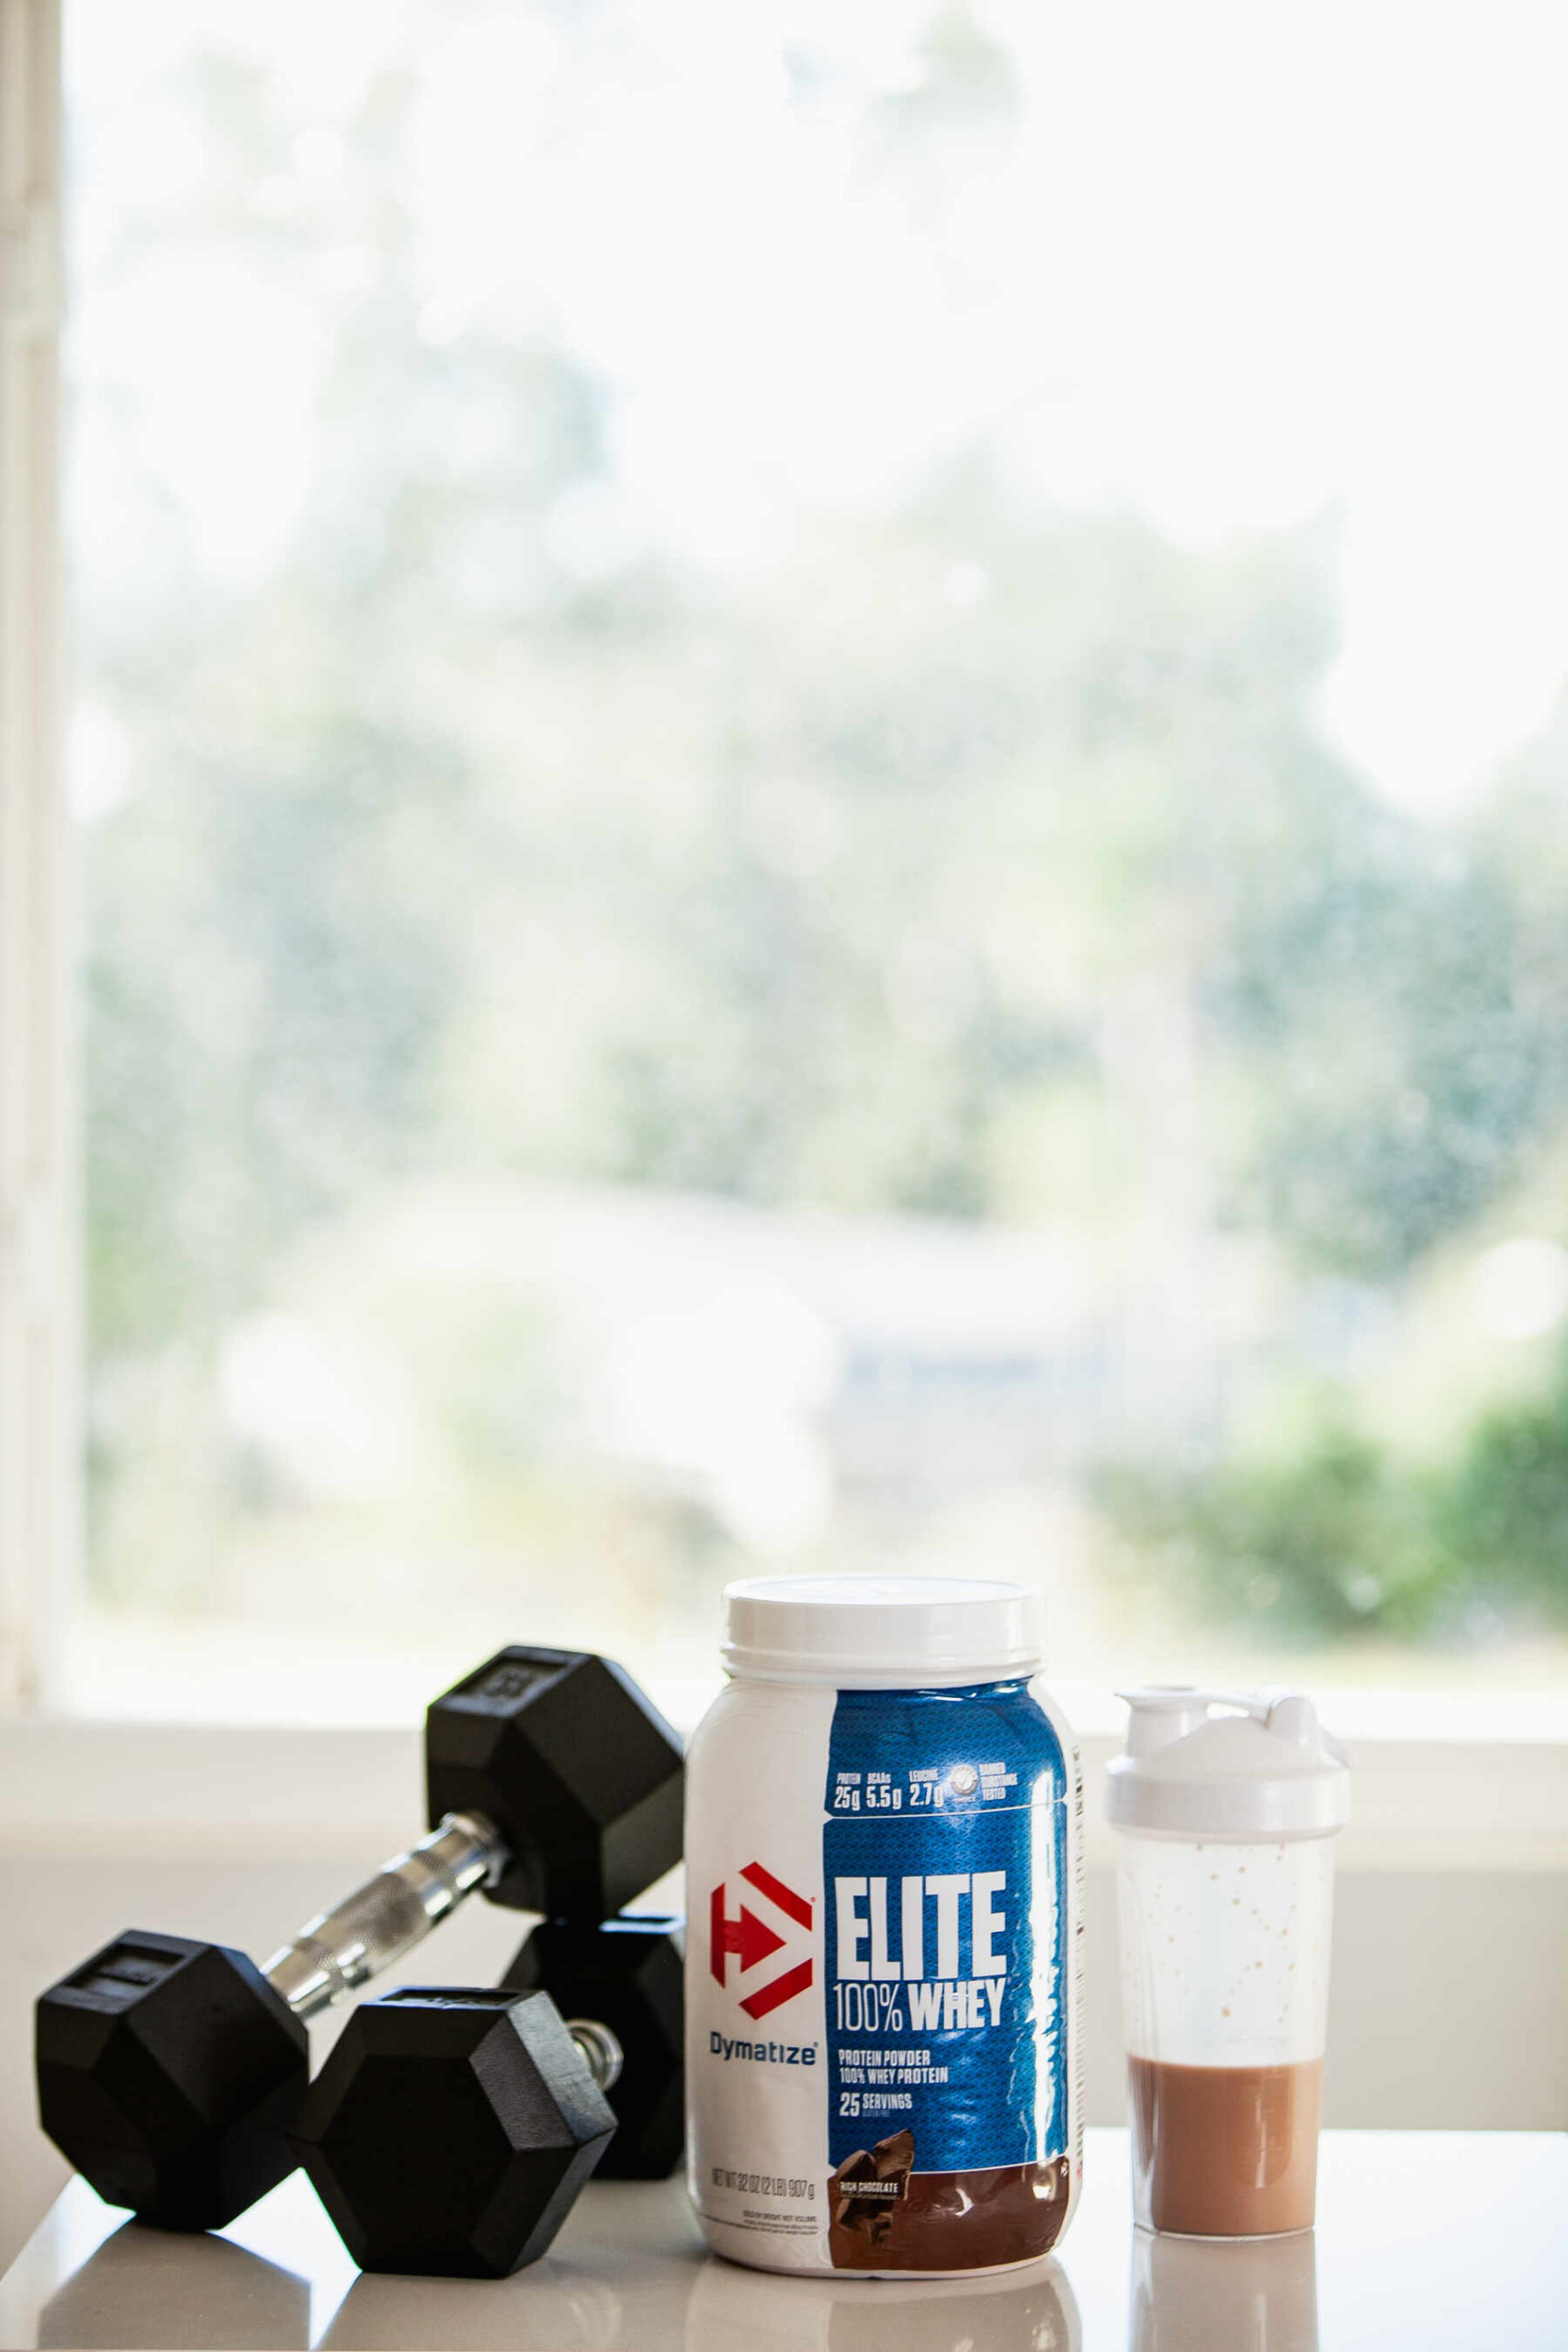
(579,1773)
(167,2072)
(628,1975)
(450,2131)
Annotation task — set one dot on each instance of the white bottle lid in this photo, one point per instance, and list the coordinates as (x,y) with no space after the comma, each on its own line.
(1263,1768)
(882,1633)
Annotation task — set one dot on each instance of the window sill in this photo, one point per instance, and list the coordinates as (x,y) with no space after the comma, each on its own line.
(81,1789)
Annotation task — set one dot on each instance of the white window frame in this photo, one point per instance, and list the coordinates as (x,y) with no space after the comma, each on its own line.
(72,1787)
(38,1194)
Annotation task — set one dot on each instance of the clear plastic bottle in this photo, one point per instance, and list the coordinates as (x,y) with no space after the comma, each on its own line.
(883,1885)
(1227,1805)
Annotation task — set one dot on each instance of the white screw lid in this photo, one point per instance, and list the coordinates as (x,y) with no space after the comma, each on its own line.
(882,1633)
(1264,1768)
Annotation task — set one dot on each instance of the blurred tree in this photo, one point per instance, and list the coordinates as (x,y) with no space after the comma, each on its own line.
(972,855)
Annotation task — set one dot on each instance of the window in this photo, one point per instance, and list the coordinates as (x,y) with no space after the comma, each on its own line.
(818,765)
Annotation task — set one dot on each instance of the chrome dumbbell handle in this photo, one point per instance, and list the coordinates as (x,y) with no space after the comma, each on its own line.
(599,2048)
(344,1947)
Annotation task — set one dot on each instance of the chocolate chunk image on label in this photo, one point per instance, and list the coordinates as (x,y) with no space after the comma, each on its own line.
(943,2221)
(867,2185)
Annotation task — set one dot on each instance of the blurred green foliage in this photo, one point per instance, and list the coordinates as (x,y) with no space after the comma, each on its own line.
(1338,1537)
(873,878)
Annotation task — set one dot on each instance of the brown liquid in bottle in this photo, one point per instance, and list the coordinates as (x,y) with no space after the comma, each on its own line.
(1226,2151)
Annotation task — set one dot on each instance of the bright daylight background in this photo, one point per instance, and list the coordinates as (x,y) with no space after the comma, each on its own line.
(821,761)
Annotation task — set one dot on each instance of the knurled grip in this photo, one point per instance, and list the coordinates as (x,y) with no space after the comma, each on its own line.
(389,1914)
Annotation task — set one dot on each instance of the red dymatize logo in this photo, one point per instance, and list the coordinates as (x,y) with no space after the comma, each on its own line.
(752,1940)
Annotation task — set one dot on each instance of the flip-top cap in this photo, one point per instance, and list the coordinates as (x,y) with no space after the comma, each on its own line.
(1227,1764)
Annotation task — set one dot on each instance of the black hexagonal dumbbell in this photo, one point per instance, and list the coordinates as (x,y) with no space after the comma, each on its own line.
(577,1770)
(168,2070)
(451,2129)
(624,1978)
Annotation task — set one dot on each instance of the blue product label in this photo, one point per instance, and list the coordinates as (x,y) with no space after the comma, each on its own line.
(944,1868)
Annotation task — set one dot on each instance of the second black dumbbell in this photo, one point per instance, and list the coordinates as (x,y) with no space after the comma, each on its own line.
(451,2129)
(624,1978)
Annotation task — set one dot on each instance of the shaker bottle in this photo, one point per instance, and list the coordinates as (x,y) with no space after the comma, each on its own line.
(1226,1804)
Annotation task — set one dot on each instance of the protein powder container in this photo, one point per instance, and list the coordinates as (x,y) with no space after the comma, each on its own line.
(884,1875)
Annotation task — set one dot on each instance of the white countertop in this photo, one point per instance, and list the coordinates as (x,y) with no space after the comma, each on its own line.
(1424,2239)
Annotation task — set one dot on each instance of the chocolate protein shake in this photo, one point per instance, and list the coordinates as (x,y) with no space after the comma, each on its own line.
(1224,2151)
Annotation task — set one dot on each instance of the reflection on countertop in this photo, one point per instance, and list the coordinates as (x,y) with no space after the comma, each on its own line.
(713,2307)
(1425,2241)
(169,2293)
(631,2270)
(1025,2310)
(565,2310)
(1225,2294)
